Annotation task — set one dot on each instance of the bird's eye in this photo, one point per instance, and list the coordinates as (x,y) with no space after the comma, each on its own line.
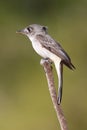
(44,28)
(29,29)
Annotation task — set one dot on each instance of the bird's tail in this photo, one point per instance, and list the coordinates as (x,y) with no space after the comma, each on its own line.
(59,69)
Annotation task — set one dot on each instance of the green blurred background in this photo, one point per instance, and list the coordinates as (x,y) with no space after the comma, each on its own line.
(25,101)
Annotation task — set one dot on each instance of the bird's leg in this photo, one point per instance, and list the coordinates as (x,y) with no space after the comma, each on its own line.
(48,60)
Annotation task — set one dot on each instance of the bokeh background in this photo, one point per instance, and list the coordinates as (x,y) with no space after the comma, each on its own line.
(25,101)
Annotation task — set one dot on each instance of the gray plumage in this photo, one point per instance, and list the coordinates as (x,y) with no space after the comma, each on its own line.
(55,48)
(47,47)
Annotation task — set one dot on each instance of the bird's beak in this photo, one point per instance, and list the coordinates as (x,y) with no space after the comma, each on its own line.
(23,31)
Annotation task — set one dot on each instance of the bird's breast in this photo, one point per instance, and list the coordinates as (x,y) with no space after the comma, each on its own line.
(39,49)
(43,52)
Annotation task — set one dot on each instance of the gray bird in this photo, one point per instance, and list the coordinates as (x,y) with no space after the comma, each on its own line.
(48,48)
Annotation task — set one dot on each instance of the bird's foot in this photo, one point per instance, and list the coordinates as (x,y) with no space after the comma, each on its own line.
(46,60)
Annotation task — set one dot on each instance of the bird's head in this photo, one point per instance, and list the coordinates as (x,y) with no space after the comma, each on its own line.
(33,30)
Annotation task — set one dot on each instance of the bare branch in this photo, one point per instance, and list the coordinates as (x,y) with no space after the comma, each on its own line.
(50,79)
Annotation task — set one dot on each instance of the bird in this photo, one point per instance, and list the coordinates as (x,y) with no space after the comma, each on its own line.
(48,48)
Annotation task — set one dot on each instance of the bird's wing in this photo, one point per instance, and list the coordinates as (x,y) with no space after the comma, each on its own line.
(50,44)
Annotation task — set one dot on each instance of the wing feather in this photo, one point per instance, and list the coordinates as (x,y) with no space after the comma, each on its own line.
(53,46)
